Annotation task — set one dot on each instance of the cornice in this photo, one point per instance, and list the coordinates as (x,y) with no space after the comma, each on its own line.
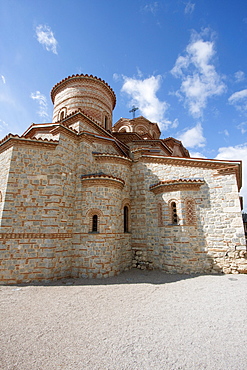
(9,140)
(91,78)
(190,162)
(105,157)
(102,180)
(176,185)
(36,127)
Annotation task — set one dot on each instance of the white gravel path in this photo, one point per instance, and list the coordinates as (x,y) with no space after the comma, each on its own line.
(138,320)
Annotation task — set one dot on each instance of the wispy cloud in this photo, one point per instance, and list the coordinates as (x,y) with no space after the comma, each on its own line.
(43,107)
(3,79)
(193,137)
(224,132)
(143,94)
(151,7)
(238,152)
(240,76)
(3,125)
(200,81)
(239,100)
(189,8)
(46,37)
(242,127)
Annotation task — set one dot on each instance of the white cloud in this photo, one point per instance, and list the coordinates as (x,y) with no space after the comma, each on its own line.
(197,155)
(41,99)
(189,8)
(239,100)
(3,79)
(238,152)
(240,76)
(193,137)
(46,37)
(242,127)
(143,94)
(200,81)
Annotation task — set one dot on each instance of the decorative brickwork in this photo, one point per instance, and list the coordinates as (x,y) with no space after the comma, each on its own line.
(190,212)
(160,214)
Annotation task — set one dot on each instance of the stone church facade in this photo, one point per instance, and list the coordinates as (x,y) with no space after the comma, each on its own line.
(82,198)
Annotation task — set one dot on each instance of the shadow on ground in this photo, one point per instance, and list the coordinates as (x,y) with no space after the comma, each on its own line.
(133,276)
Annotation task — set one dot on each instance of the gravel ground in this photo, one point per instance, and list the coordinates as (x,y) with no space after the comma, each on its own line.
(138,320)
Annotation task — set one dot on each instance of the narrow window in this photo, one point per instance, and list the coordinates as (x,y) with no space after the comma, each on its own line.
(95,224)
(126,219)
(174,213)
(61,115)
(106,122)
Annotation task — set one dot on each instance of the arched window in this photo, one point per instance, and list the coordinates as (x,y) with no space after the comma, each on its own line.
(94,220)
(62,114)
(126,219)
(174,214)
(95,223)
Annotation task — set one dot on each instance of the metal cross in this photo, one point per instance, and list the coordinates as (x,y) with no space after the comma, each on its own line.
(133,110)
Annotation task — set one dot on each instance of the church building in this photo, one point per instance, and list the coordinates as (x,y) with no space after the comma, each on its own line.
(80,197)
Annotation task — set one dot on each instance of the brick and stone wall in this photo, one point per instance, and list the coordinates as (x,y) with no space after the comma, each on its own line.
(75,202)
(46,224)
(205,246)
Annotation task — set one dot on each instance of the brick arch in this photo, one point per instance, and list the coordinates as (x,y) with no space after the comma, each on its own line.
(125,202)
(62,113)
(125,128)
(90,218)
(141,129)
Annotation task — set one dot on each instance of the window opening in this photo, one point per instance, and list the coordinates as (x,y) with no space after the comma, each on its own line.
(174,213)
(95,224)
(61,115)
(106,122)
(126,219)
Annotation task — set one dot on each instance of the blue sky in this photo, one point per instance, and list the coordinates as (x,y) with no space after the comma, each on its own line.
(183,63)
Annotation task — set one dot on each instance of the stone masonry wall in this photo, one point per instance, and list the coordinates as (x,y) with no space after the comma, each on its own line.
(108,251)
(206,246)
(5,159)
(37,221)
